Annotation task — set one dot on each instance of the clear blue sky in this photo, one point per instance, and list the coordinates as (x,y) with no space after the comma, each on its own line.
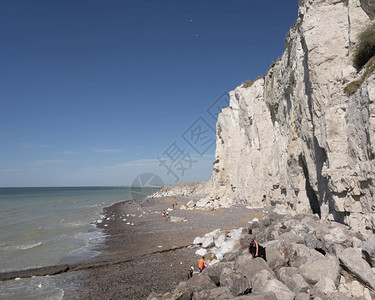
(98,92)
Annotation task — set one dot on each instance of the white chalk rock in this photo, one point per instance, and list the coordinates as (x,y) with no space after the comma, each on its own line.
(220,240)
(214,233)
(198,240)
(201,252)
(208,242)
(190,204)
(236,233)
(203,202)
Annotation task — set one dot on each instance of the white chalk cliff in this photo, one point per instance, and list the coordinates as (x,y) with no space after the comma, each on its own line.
(293,138)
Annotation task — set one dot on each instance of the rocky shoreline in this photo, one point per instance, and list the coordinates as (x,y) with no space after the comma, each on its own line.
(306,259)
(147,257)
(153,254)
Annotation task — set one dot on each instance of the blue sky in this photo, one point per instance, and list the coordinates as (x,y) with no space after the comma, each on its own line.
(98,92)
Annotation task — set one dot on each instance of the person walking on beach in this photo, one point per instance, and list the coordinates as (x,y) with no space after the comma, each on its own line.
(163,215)
(202,264)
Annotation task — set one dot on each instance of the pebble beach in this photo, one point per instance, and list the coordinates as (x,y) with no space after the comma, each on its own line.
(149,253)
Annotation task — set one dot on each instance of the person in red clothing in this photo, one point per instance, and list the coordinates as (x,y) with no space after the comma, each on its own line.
(202,264)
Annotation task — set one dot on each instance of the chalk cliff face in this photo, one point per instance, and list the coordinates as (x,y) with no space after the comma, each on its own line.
(293,139)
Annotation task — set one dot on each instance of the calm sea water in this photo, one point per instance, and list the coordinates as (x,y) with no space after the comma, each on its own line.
(48,226)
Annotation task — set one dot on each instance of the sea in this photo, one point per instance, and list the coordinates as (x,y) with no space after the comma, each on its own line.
(53,225)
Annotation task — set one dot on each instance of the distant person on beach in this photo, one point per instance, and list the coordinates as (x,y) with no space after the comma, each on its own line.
(190,272)
(163,215)
(202,264)
(167,214)
(256,250)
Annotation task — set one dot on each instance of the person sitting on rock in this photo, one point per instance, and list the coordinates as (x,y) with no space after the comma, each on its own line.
(256,250)
(202,264)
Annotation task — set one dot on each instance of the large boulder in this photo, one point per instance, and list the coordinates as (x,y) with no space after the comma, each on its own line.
(317,294)
(214,271)
(281,253)
(302,296)
(326,285)
(260,279)
(220,293)
(241,259)
(293,280)
(277,253)
(314,269)
(202,203)
(202,281)
(253,266)
(340,296)
(299,253)
(208,241)
(351,260)
(368,250)
(237,283)
(230,256)
(183,292)
(312,242)
(190,204)
(337,238)
(282,292)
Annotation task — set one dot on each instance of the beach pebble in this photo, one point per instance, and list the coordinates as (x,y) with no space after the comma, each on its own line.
(17,278)
(105,225)
(132,224)
(127,215)
(108,219)
(160,246)
(40,285)
(128,223)
(99,221)
(124,220)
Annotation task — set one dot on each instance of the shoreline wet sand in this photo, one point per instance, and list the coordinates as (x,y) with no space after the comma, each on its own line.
(162,271)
